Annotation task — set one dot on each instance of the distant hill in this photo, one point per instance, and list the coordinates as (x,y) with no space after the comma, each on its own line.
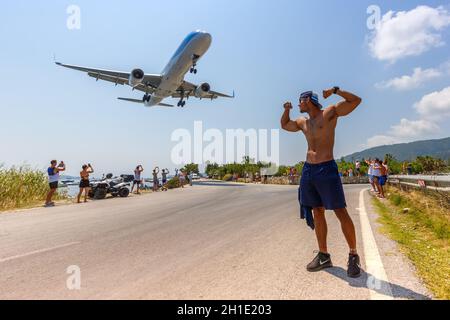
(439,148)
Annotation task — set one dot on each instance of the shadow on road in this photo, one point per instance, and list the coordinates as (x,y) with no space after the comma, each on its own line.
(376,284)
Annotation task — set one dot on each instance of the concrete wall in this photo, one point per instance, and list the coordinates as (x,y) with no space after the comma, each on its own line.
(285,180)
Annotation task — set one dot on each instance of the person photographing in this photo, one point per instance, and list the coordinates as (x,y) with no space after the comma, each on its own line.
(320,185)
(84,181)
(155,179)
(137,178)
(53,179)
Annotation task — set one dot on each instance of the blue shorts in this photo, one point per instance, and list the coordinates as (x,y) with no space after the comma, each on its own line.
(382,180)
(321,186)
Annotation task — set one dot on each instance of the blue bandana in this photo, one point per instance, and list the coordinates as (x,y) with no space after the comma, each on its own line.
(313,96)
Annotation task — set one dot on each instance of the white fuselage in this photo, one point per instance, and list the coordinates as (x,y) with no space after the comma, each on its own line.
(190,51)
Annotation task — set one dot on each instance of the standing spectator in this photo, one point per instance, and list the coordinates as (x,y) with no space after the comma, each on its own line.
(383,177)
(53,178)
(84,182)
(256,177)
(376,177)
(295,176)
(370,174)
(191,178)
(164,174)
(385,164)
(182,178)
(291,175)
(358,168)
(409,168)
(350,172)
(155,179)
(137,178)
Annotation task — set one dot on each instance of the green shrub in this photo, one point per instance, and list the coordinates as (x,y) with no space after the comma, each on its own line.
(227,177)
(173,183)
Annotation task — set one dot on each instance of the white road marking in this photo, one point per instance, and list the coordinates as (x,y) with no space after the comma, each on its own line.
(377,283)
(38,251)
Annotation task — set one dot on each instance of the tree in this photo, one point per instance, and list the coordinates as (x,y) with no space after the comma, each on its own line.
(211,169)
(191,168)
(299,167)
(395,166)
(282,171)
(428,164)
(345,166)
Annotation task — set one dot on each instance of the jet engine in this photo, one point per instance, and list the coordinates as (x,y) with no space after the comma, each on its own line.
(202,90)
(136,77)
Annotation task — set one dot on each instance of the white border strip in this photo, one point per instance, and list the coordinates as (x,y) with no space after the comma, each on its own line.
(38,251)
(377,282)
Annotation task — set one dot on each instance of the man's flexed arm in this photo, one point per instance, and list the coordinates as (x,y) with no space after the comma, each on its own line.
(345,107)
(286,122)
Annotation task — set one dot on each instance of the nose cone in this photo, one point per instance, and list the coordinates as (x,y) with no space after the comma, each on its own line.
(207,37)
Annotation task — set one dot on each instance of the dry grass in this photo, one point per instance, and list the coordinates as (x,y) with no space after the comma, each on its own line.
(22,187)
(423,234)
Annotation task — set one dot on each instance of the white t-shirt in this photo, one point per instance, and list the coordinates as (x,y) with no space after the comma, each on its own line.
(376,170)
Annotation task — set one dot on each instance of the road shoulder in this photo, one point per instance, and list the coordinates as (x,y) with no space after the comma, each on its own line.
(402,276)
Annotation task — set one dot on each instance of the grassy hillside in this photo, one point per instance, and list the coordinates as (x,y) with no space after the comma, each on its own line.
(439,148)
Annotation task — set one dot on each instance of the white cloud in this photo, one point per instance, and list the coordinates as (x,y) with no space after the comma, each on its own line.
(433,109)
(408,33)
(435,105)
(379,140)
(411,129)
(405,131)
(413,81)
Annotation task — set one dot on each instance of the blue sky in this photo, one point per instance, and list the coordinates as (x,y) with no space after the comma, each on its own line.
(268,52)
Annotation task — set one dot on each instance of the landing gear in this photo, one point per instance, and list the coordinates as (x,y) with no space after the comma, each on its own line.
(195,57)
(146,98)
(182,103)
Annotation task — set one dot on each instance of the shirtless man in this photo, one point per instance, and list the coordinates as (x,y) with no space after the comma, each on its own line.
(320,185)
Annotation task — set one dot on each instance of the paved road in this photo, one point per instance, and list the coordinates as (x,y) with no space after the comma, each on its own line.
(210,241)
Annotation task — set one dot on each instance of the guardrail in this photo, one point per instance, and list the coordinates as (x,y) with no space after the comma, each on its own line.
(430,182)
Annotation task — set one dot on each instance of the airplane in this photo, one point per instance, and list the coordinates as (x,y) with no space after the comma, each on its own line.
(170,83)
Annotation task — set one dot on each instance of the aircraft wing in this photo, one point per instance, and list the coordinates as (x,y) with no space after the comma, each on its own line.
(149,83)
(189,91)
